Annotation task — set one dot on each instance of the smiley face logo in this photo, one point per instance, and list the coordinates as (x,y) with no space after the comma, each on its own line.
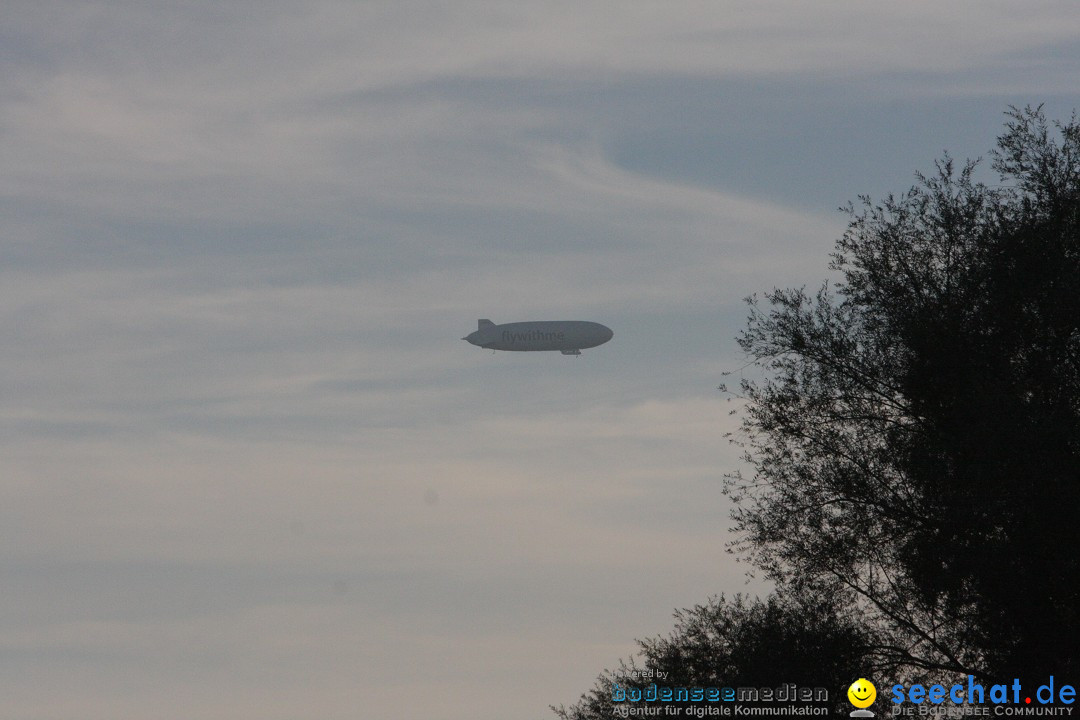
(862,693)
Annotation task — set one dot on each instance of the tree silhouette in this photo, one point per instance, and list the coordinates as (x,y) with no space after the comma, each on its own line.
(915,444)
(738,643)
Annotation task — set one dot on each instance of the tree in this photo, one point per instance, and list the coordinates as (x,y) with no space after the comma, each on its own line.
(915,444)
(738,643)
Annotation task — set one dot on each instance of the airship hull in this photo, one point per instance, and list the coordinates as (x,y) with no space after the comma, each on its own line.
(567,336)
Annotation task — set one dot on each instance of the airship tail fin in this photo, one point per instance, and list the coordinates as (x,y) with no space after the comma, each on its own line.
(484,324)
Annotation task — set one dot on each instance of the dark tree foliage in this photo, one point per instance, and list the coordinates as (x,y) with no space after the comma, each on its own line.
(739,643)
(916,442)
(914,445)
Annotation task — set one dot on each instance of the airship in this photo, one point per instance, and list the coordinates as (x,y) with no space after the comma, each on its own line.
(569,337)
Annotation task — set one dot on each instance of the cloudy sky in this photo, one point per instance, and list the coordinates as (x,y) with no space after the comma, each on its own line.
(249,469)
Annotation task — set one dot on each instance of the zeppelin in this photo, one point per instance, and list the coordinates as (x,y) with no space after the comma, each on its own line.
(569,337)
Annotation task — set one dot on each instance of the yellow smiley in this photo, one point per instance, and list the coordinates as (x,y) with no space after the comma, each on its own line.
(862,693)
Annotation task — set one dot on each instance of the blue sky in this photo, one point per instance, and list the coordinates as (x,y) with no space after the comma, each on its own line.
(250,469)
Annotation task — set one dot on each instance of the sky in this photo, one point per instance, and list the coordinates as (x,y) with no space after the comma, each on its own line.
(249,469)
